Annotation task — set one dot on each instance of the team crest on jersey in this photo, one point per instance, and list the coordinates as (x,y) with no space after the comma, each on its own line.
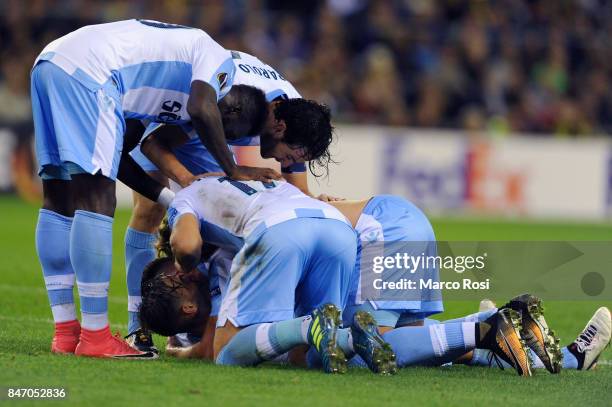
(222,79)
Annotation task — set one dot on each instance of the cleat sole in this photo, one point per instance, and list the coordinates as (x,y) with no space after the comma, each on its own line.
(383,358)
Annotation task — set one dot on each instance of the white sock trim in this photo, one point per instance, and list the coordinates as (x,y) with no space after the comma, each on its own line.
(134,302)
(63,313)
(97,290)
(94,322)
(439,343)
(262,342)
(469,334)
(304,327)
(59,282)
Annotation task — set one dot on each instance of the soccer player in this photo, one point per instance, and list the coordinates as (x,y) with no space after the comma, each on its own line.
(294,254)
(84,85)
(389,225)
(295,130)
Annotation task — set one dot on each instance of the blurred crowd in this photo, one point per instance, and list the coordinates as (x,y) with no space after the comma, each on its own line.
(499,65)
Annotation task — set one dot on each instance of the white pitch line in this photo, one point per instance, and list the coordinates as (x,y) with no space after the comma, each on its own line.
(43,291)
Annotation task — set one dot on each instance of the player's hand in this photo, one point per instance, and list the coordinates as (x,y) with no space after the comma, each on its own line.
(180,353)
(243,173)
(193,178)
(329,198)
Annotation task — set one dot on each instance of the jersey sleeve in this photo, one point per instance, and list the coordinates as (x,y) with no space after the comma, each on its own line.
(213,64)
(293,168)
(180,205)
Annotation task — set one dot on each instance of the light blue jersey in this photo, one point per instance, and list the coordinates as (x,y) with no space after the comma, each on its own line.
(134,69)
(249,71)
(293,253)
(401,226)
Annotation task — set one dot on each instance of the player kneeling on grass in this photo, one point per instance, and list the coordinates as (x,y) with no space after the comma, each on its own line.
(294,254)
(399,227)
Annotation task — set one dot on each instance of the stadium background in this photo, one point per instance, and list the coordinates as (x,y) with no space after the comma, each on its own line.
(493,116)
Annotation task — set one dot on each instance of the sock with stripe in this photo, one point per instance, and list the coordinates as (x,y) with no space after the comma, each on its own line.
(344,339)
(91,245)
(262,342)
(477,317)
(482,357)
(432,345)
(52,246)
(139,251)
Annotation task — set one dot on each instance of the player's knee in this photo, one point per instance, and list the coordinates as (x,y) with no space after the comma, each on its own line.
(57,197)
(94,193)
(223,336)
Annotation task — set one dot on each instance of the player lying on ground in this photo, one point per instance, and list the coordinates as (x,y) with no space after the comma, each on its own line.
(293,254)
(84,86)
(262,108)
(393,219)
(581,354)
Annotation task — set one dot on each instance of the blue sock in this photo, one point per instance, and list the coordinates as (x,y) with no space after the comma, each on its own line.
(52,246)
(482,357)
(477,317)
(344,339)
(139,251)
(569,360)
(91,248)
(432,345)
(258,343)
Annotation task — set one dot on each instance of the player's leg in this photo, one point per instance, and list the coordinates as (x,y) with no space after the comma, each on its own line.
(582,354)
(140,238)
(54,219)
(88,131)
(268,295)
(329,277)
(261,289)
(52,245)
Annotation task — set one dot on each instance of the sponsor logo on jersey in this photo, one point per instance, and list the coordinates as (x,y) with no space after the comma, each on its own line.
(222,79)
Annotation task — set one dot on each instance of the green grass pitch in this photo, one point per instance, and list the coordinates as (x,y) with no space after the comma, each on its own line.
(26,329)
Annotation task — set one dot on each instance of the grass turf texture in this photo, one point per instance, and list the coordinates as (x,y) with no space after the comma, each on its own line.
(26,329)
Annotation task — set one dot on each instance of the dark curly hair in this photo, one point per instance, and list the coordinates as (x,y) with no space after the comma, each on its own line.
(308,126)
(160,306)
(244,111)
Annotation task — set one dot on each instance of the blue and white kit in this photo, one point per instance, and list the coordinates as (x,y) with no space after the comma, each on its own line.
(193,154)
(294,253)
(85,84)
(395,224)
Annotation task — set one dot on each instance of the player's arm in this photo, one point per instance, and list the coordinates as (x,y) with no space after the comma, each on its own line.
(206,118)
(132,175)
(158,148)
(300,181)
(186,242)
(200,350)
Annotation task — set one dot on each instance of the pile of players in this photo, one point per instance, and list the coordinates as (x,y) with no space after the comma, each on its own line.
(256,268)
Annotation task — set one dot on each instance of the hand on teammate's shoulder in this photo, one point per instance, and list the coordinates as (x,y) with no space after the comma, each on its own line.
(244,173)
(329,198)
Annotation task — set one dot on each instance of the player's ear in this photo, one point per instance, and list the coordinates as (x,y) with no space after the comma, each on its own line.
(278,129)
(189,308)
